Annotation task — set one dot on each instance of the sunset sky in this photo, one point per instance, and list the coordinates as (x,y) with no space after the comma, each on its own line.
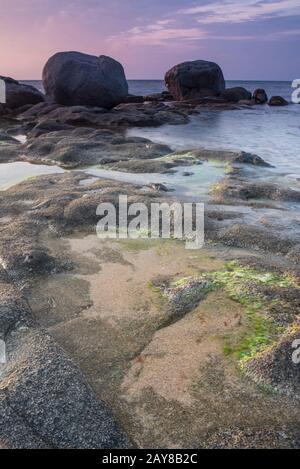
(250,39)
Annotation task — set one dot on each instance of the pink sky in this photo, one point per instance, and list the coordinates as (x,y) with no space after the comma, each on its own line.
(250,39)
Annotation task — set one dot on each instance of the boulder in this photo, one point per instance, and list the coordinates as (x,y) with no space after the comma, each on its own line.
(18,94)
(260,96)
(73,78)
(277,101)
(194,80)
(234,95)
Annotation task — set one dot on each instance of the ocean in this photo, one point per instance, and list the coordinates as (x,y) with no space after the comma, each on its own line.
(272,133)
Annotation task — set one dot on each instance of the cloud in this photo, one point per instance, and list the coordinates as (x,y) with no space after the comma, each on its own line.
(162,32)
(165,33)
(271,36)
(240,11)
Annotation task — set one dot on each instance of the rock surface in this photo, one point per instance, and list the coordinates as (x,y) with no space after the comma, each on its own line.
(43,386)
(159,359)
(83,146)
(192,80)
(122,116)
(236,94)
(73,78)
(18,94)
(277,101)
(278,367)
(260,96)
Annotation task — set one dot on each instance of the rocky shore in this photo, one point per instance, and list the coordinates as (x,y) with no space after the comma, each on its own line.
(114,344)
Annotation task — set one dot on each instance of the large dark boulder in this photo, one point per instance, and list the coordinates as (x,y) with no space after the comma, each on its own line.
(73,78)
(277,101)
(234,95)
(18,94)
(260,96)
(194,80)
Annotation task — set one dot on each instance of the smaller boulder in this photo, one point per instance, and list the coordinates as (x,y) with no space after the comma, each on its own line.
(260,96)
(194,80)
(277,101)
(18,94)
(234,95)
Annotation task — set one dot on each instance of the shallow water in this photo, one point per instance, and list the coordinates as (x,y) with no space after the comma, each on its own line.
(14,173)
(196,185)
(272,133)
(193,186)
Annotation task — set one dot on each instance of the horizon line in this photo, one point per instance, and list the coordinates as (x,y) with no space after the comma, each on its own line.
(162,79)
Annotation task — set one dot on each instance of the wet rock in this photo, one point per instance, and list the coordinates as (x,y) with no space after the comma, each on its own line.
(39,110)
(278,367)
(7,139)
(233,157)
(294,255)
(133,99)
(22,258)
(277,101)
(84,146)
(15,432)
(185,297)
(150,114)
(247,102)
(14,310)
(248,190)
(260,96)
(256,238)
(73,78)
(18,94)
(46,127)
(159,97)
(143,166)
(192,80)
(125,115)
(75,115)
(159,187)
(249,158)
(44,387)
(236,94)
(82,211)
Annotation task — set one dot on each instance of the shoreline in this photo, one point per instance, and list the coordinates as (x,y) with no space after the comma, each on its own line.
(61,286)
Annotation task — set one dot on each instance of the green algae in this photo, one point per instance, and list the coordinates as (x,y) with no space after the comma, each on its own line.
(242,285)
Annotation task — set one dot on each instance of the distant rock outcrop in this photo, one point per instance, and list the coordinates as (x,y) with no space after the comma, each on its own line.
(18,94)
(73,78)
(234,95)
(260,96)
(194,80)
(277,101)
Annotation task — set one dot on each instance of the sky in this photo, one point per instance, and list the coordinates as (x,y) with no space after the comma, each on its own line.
(249,39)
